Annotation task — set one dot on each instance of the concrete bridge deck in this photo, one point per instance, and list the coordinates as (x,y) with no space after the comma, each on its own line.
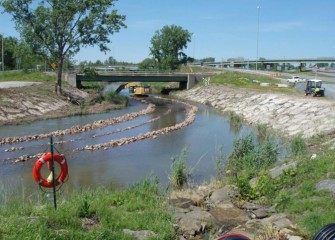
(185,80)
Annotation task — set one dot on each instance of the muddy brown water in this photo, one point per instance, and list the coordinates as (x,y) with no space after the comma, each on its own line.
(124,165)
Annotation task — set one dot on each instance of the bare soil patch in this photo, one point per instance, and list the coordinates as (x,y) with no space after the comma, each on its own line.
(27,103)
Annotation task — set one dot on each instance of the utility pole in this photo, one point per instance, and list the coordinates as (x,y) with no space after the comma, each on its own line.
(258,9)
(3,59)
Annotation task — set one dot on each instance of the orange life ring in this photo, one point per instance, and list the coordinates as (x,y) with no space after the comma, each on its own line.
(47,159)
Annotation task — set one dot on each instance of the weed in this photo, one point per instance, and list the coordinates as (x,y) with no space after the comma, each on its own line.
(265,186)
(247,160)
(26,76)
(179,173)
(235,120)
(90,214)
(261,131)
(113,97)
(84,208)
(82,105)
(245,190)
(298,146)
(219,160)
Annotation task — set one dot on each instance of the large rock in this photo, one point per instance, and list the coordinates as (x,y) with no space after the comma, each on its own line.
(140,235)
(220,195)
(195,222)
(197,197)
(181,202)
(327,184)
(275,172)
(229,217)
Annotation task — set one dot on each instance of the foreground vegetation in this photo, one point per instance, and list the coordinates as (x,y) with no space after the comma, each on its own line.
(294,191)
(104,213)
(91,214)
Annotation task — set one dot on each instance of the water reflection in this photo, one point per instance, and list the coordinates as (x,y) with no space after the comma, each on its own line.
(125,165)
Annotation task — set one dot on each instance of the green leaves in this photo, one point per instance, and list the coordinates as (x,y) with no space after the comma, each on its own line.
(60,28)
(167,46)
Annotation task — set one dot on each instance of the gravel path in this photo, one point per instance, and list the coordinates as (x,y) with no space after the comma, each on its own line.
(13,84)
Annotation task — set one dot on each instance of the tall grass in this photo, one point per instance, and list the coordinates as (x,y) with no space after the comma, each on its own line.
(247,160)
(113,97)
(246,80)
(262,131)
(235,121)
(91,214)
(219,165)
(26,76)
(180,174)
(294,191)
(298,146)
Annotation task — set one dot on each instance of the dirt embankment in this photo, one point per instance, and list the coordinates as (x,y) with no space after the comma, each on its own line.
(289,115)
(28,103)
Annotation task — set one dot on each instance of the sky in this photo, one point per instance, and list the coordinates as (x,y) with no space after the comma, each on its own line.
(220,28)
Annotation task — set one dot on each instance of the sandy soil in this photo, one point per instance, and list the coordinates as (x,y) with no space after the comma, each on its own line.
(22,102)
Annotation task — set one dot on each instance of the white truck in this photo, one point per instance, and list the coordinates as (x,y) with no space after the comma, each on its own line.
(295,79)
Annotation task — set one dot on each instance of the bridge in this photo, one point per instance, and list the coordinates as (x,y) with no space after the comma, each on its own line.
(185,80)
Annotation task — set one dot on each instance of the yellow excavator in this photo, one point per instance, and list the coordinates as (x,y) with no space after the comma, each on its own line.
(135,90)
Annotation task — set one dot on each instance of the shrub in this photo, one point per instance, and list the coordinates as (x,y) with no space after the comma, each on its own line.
(246,156)
(247,160)
(265,186)
(244,188)
(113,97)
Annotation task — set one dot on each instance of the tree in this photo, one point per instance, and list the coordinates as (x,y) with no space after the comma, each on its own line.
(167,46)
(58,28)
(208,59)
(10,44)
(110,61)
(147,64)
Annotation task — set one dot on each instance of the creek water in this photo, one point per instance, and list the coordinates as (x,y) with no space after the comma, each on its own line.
(127,164)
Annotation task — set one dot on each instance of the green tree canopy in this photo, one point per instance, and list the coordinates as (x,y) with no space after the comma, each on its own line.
(10,45)
(58,28)
(167,46)
(147,64)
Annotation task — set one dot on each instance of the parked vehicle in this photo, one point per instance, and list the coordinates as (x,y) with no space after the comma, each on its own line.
(314,88)
(296,79)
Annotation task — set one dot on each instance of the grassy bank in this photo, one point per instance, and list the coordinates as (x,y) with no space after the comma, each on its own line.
(26,76)
(250,81)
(294,191)
(91,214)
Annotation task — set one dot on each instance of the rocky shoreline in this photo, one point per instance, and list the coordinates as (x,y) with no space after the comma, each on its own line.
(289,115)
(205,210)
(202,209)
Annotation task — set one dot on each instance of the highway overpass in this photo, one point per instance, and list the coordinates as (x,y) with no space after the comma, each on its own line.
(240,62)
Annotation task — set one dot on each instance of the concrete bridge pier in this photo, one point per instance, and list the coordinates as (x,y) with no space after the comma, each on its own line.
(195,78)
